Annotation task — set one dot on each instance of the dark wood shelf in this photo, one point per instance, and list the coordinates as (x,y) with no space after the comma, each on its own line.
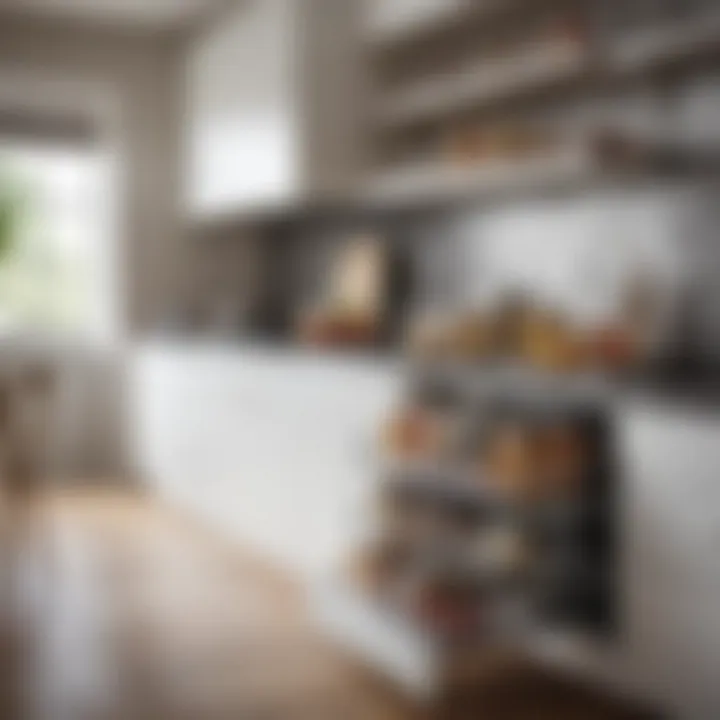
(446,20)
(541,74)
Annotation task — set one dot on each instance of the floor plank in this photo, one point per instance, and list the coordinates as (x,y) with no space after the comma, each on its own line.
(121,609)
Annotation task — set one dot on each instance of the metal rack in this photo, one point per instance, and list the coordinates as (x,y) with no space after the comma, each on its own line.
(570,588)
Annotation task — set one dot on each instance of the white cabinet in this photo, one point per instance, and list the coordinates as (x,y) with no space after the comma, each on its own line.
(272,449)
(667,645)
(276,450)
(274,106)
(243,134)
(672,553)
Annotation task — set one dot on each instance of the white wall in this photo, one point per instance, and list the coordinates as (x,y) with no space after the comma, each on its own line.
(139,78)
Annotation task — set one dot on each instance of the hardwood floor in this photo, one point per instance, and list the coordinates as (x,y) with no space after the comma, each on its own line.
(122,610)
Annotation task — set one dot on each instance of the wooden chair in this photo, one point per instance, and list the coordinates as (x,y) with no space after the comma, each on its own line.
(25,414)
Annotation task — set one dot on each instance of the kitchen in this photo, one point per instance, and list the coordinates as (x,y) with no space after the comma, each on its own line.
(326,198)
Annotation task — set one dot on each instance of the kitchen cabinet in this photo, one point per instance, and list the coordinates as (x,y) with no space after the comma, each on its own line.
(272,449)
(667,645)
(274,107)
(275,450)
(671,544)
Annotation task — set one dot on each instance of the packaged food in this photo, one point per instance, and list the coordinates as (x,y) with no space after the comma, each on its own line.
(614,348)
(563,458)
(502,552)
(551,343)
(510,461)
(416,433)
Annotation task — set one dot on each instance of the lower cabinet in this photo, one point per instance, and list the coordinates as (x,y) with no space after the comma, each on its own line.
(276,450)
(671,546)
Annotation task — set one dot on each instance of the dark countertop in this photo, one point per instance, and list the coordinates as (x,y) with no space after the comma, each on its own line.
(682,392)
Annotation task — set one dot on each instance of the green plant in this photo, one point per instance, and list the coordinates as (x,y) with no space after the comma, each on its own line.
(10,217)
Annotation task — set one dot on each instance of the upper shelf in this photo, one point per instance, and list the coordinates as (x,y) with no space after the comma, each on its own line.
(561,66)
(537,67)
(574,164)
(667,43)
(561,63)
(422,19)
(434,182)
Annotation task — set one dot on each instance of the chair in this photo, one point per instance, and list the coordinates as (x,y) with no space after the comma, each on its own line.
(25,414)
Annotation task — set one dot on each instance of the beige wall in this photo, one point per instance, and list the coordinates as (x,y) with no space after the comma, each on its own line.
(135,83)
(140,79)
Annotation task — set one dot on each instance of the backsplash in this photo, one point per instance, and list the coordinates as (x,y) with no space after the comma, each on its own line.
(574,251)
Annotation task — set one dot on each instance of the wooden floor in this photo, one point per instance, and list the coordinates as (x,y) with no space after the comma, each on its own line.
(121,610)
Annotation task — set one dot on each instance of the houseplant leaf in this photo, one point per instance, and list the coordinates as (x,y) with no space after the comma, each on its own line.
(10,216)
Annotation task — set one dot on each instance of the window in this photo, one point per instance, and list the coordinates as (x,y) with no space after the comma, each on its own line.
(55,276)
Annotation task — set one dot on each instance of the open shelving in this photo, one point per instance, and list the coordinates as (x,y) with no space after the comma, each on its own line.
(387,32)
(535,68)
(430,20)
(557,52)
(433,181)
(546,62)
(422,663)
(573,55)
(572,165)
(665,44)
(564,584)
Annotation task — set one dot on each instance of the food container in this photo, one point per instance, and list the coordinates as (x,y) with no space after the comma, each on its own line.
(510,460)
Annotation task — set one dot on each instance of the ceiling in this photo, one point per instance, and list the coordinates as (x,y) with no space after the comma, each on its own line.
(156,14)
